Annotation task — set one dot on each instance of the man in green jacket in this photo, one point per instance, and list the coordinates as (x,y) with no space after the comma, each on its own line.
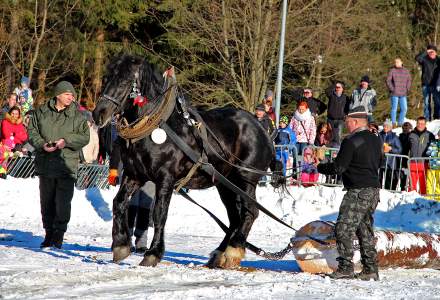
(58,131)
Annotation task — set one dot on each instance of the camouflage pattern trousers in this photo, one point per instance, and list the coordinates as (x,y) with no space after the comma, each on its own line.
(356,219)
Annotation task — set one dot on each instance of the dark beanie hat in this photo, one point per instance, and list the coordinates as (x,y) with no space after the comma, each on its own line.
(365,78)
(260,107)
(431,47)
(64,87)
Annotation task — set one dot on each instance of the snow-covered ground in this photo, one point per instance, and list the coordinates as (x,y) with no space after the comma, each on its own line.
(83,268)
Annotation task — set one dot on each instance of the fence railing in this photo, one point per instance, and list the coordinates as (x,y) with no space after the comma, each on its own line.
(398,173)
(89,175)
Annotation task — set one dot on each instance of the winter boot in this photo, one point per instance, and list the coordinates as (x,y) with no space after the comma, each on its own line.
(47,239)
(57,239)
(342,274)
(367,275)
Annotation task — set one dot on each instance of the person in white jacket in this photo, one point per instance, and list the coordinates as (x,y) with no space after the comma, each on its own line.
(304,126)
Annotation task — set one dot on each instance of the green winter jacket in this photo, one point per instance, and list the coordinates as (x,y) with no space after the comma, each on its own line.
(50,125)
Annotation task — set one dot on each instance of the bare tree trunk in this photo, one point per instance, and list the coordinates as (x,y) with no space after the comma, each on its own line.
(83,67)
(39,36)
(41,92)
(10,67)
(99,58)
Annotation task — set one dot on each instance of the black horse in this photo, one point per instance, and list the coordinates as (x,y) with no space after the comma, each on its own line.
(235,135)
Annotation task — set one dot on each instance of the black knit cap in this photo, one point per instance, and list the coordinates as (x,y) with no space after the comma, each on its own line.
(431,47)
(260,107)
(365,78)
(358,112)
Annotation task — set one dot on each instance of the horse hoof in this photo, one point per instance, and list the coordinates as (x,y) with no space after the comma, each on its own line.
(233,257)
(150,261)
(217,260)
(120,253)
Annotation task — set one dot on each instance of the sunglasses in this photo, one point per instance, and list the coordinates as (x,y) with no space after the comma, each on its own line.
(307,92)
(339,87)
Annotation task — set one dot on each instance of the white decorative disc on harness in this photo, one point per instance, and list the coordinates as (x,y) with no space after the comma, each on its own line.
(158,136)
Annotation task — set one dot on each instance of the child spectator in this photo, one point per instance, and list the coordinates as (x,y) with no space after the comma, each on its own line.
(13,133)
(24,94)
(284,137)
(324,135)
(309,170)
(304,127)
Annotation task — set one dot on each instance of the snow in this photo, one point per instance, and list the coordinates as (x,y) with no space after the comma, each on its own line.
(83,268)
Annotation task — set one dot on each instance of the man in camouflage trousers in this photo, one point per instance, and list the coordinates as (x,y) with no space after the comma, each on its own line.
(358,162)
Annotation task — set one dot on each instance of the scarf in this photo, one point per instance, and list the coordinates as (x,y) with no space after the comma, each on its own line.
(302,116)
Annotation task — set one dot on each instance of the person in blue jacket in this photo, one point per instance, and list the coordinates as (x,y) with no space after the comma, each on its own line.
(392,165)
(285,136)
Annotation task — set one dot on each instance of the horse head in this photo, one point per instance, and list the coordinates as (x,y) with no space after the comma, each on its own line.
(127,76)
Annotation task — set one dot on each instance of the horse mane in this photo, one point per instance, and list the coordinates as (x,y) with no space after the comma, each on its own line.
(124,64)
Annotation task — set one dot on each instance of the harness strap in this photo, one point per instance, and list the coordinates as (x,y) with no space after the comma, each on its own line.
(208,168)
(181,183)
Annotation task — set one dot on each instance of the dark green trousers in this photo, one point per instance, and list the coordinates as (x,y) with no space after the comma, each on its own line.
(355,219)
(55,198)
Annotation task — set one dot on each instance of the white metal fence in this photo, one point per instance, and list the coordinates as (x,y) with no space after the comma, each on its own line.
(89,175)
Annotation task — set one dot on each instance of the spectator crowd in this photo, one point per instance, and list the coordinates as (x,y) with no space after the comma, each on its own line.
(15,117)
(315,124)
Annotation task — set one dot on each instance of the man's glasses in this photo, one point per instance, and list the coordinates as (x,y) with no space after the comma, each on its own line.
(338,87)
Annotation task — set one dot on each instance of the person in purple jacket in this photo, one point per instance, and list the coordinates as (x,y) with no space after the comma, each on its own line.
(399,84)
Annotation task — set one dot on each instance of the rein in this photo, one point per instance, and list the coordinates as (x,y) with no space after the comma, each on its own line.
(209,169)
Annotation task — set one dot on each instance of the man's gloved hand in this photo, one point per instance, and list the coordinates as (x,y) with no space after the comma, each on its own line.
(113,177)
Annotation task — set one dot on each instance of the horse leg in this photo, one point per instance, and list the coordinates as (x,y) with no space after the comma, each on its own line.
(235,250)
(121,239)
(160,212)
(231,201)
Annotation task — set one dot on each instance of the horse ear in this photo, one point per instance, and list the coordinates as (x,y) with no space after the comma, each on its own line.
(169,72)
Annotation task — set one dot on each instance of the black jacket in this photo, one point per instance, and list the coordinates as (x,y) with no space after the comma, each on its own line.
(316,106)
(358,160)
(430,69)
(337,107)
(419,142)
(404,141)
(267,124)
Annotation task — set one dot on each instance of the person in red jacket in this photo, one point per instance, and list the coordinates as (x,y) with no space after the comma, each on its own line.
(13,131)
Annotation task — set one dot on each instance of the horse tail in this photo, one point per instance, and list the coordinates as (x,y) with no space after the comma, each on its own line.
(278,178)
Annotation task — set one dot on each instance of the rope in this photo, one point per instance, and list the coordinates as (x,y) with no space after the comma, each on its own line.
(182,182)
(145,125)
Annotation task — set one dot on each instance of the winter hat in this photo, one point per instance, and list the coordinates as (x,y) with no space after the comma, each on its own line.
(388,123)
(260,107)
(284,119)
(268,94)
(25,80)
(358,112)
(365,78)
(431,47)
(64,87)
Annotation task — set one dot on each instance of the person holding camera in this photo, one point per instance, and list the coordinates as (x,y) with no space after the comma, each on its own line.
(57,131)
